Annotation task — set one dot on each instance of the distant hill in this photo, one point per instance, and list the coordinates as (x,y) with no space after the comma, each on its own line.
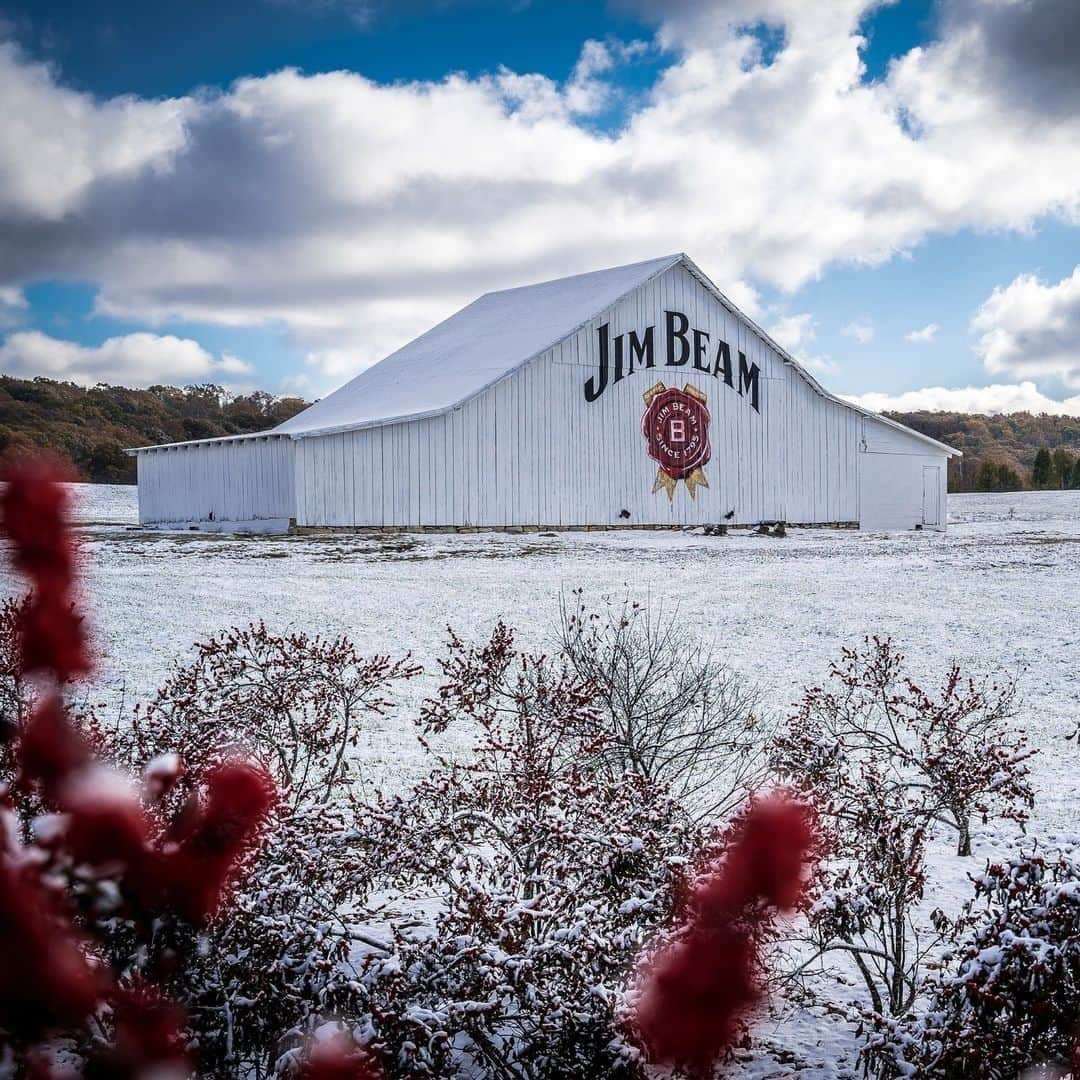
(1010,440)
(92,427)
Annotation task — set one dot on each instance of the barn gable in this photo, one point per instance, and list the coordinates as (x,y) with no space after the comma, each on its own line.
(544,444)
(466,353)
(497,334)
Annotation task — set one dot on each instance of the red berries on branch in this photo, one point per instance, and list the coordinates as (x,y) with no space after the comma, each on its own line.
(34,507)
(104,828)
(701,984)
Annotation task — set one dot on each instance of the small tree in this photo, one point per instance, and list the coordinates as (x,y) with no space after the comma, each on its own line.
(955,750)
(886,762)
(673,712)
(1074,479)
(1063,467)
(986,477)
(1042,472)
(1008,478)
(869,894)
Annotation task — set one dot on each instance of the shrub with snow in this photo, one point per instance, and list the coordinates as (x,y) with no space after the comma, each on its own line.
(260,982)
(1007,996)
(887,763)
(545,874)
(954,751)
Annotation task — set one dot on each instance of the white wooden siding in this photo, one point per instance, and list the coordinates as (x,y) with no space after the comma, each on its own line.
(881,438)
(531,451)
(232,480)
(891,490)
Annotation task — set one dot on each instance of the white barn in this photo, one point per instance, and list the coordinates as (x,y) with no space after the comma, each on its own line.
(635,396)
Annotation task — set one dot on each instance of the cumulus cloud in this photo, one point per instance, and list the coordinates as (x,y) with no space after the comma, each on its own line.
(862,331)
(923,335)
(1032,329)
(999,398)
(13,306)
(355,214)
(1031,44)
(794,332)
(139,359)
(797,333)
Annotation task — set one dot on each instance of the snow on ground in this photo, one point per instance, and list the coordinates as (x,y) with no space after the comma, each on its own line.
(1000,590)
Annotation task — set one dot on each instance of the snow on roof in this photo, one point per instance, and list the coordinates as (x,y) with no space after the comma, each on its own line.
(484,342)
(466,353)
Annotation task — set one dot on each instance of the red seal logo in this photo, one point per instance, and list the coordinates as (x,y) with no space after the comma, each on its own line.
(676,429)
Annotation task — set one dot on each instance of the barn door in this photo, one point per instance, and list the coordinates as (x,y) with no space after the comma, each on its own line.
(931,495)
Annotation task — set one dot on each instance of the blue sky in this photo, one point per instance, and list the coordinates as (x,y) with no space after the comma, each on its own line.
(276,193)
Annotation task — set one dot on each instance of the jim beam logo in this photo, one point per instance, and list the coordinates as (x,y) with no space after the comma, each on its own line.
(676,429)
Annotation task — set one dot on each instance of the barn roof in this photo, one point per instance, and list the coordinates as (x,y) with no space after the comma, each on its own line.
(469,351)
(493,336)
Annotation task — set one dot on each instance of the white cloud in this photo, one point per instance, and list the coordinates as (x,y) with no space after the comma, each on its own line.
(13,306)
(820,365)
(923,335)
(797,333)
(139,359)
(794,332)
(355,214)
(999,398)
(339,364)
(862,331)
(745,297)
(1032,329)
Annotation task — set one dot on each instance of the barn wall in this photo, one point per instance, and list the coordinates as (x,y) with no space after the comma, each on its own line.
(895,491)
(532,451)
(243,483)
(893,495)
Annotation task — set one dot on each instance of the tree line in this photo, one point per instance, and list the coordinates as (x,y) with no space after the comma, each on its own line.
(92,426)
(1010,452)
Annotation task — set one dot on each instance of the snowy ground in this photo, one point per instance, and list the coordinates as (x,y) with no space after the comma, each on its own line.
(1000,590)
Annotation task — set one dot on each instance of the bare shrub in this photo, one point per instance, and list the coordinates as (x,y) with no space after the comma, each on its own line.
(869,897)
(676,715)
(887,762)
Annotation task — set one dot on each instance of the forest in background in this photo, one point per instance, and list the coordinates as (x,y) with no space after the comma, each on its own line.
(1007,452)
(92,426)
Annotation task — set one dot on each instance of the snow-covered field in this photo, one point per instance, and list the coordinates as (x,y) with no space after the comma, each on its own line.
(1000,591)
